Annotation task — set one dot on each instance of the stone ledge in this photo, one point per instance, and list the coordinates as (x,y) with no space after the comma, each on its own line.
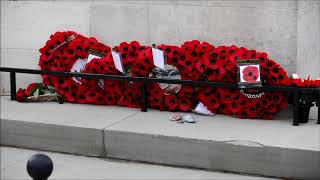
(271,148)
(213,155)
(59,138)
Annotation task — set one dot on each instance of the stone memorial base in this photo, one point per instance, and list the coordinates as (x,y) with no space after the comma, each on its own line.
(271,148)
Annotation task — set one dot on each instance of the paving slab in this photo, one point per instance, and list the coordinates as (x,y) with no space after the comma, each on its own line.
(13,166)
(71,128)
(76,115)
(255,132)
(272,148)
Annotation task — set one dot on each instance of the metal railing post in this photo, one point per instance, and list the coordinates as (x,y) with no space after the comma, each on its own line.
(318,105)
(318,114)
(144,95)
(13,85)
(295,104)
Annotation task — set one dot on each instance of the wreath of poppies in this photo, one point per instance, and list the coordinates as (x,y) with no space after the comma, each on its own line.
(195,60)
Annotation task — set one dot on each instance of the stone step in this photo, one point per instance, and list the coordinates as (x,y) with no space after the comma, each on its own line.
(271,148)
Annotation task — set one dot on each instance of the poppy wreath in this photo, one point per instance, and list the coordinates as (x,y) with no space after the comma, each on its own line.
(59,54)
(195,60)
(220,66)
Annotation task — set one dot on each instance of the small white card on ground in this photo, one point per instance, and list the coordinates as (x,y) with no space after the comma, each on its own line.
(158,58)
(117,61)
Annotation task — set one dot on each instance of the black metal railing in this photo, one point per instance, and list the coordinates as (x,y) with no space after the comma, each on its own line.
(293,91)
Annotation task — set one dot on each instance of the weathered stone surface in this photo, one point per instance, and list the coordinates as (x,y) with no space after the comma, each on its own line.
(115,23)
(68,139)
(28,25)
(309,39)
(214,155)
(20,58)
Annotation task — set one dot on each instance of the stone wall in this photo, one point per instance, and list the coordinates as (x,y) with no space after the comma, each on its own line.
(269,26)
(308,39)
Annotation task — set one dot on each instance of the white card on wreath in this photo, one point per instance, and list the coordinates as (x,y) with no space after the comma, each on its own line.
(158,58)
(117,61)
(256,77)
(92,56)
(77,67)
(295,76)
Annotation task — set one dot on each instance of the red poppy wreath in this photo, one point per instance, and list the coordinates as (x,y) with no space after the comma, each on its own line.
(194,60)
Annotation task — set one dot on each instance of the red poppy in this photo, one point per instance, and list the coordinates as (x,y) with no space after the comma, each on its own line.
(99,99)
(250,73)
(124,47)
(251,54)
(221,50)
(269,64)
(47,80)
(110,99)
(277,97)
(234,107)
(21,95)
(71,96)
(225,96)
(50,45)
(144,63)
(261,56)
(81,96)
(155,100)
(184,104)
(80,49)
(272,108)
(46,56)
(242,115)
(61,82)
(212,103)
(251,111)
(211,60)
(200,66)
(91,96)
(108,65)
(232,49)
(135,45)
(223,109)
(273,80)
(204,94)
(71,51)
(243,101)
(275,71)
(267,116)
(171,102)
(31,88)
(186,65)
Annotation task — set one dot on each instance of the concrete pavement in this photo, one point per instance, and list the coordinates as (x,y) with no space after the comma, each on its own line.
(13,166)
